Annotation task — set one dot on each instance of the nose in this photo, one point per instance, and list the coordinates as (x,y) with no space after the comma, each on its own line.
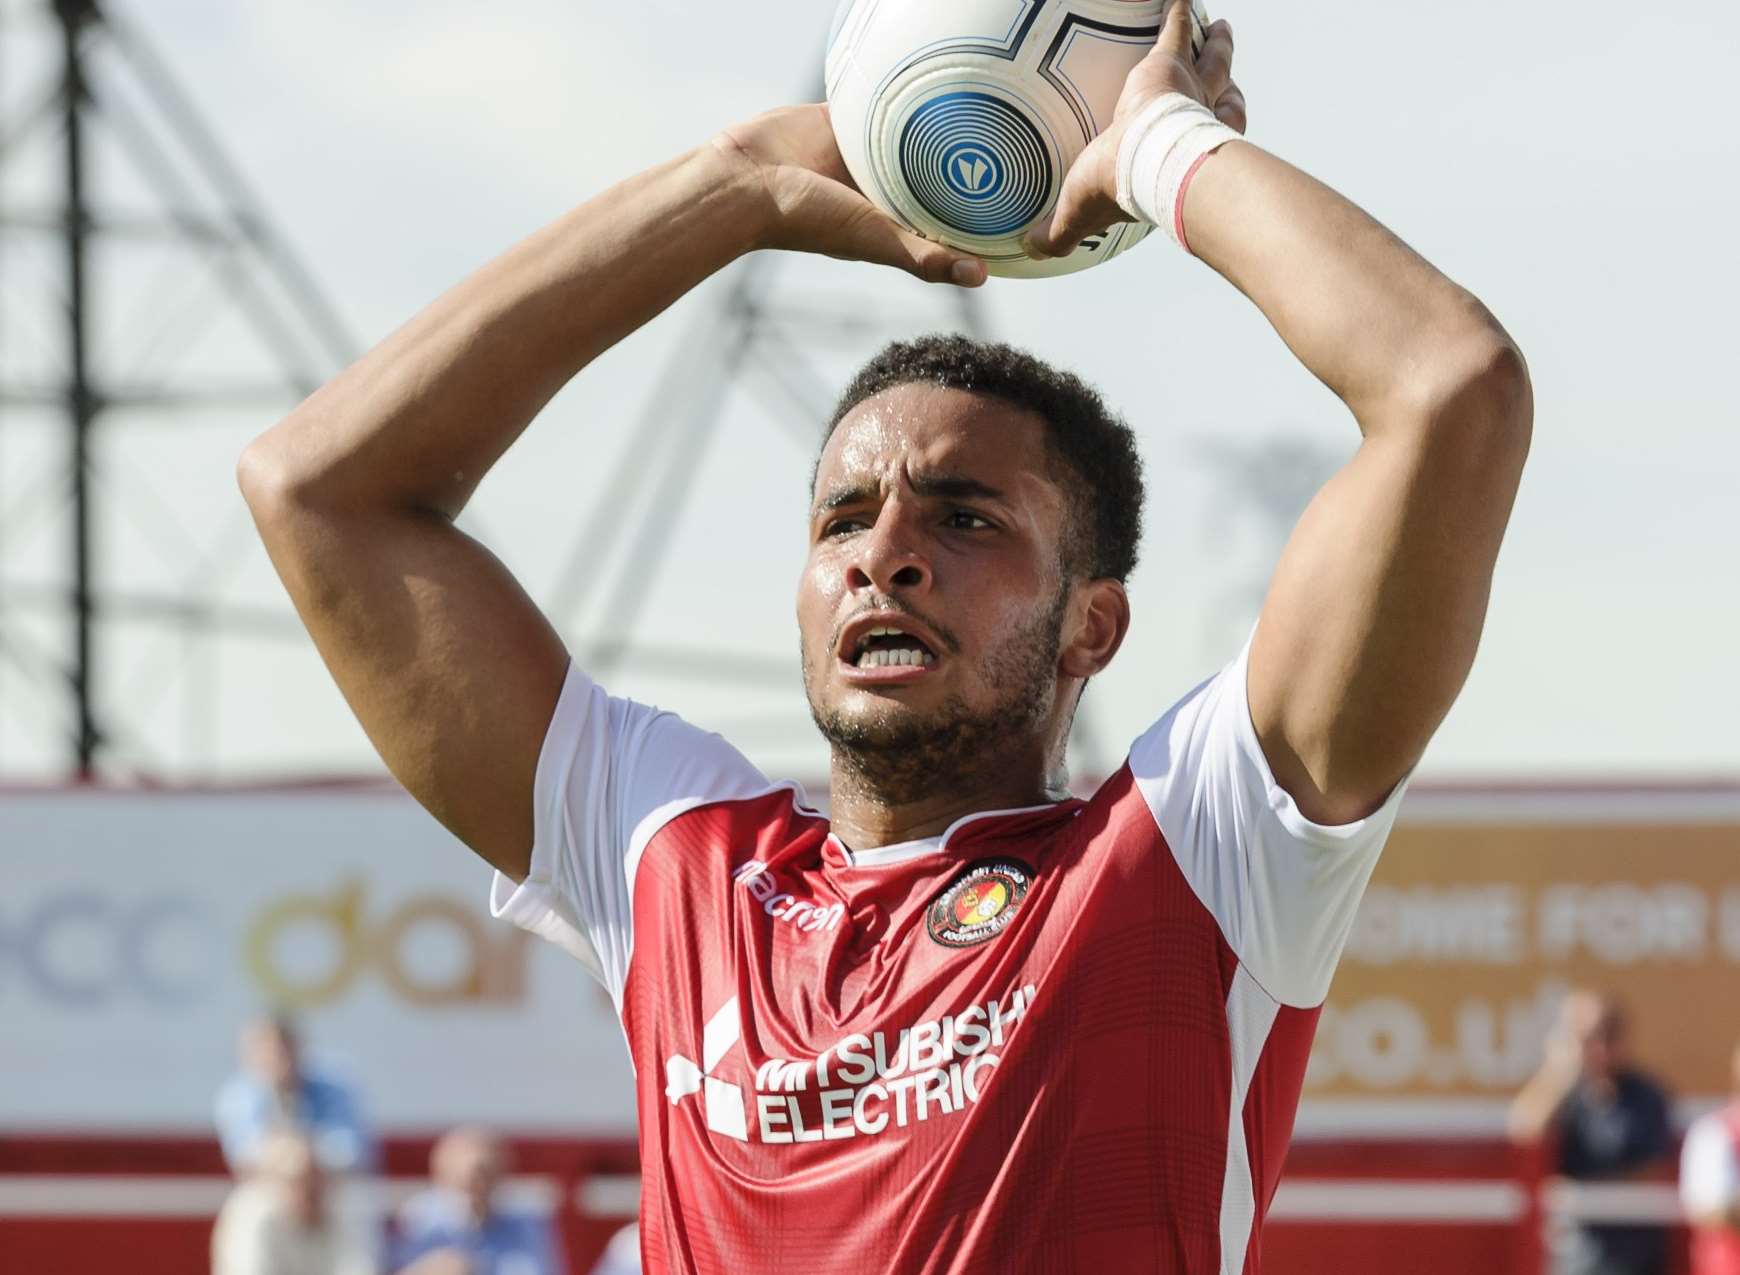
(889,559)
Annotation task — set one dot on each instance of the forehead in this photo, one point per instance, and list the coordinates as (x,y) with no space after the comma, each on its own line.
(926,429)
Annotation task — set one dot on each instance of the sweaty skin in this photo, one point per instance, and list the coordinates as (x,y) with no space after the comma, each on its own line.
(941,506)
(1366,636)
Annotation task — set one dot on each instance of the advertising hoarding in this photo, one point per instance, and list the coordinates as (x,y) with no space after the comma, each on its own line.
(137,932)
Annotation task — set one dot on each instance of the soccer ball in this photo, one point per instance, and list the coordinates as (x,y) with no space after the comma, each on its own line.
(959,118)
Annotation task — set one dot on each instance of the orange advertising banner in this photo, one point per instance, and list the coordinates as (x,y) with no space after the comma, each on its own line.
(1487,909)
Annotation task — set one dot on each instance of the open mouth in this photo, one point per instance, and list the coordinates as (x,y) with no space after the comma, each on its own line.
(886,647)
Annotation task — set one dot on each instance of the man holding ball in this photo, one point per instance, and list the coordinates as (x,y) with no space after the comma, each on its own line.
(969,1023)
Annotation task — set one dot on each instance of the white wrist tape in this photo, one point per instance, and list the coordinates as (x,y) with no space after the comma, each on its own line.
(1161,151)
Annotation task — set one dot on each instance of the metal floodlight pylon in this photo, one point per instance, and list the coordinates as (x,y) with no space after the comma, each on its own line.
(110,87)
(748,337)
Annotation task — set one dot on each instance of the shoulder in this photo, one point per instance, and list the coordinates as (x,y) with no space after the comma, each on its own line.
(612,770)
(237,1093)
(729,835)
(1645,1090)
(1712,1126)
(1712,1142)
(517,1229)
(1282,888)
(428,1210)
(1581,1097)
(327,1092)
(323,1083)
(753,806)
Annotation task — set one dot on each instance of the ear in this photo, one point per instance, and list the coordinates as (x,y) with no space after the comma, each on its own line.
(1098,619)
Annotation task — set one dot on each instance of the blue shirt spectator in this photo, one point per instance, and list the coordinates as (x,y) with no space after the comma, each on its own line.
(1604,1120)
(274,1091)
(458,1223)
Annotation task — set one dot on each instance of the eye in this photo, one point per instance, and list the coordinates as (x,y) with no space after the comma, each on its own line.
(841,527)
(967,520)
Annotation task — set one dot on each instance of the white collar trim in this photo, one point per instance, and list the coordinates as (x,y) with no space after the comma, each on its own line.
(906,851)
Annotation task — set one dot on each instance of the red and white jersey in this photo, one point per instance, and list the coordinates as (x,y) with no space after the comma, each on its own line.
(1710,1187)
(1060,1039)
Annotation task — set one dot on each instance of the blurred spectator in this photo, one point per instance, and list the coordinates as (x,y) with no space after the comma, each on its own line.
(276,1089)
(1603,1120)
(458,1227)
(1710,1186)
(280,1221)
(622,1255)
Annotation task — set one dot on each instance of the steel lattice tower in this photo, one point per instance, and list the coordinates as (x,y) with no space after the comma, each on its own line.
(139,276)
(129,246)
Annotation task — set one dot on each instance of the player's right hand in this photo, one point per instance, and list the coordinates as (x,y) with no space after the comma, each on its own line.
(790,156)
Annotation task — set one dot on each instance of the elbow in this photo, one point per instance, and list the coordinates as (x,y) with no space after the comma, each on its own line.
(305,467)
(267,481)
(255,473)
(283,485)
(1475,402)
(291,470)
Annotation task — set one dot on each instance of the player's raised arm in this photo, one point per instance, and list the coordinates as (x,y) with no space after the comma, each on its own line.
(447,663)
(1374,613)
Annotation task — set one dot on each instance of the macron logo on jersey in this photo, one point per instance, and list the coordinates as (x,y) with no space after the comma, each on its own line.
(764,887)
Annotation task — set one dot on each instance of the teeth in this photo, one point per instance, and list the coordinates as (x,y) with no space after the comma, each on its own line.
(894,658)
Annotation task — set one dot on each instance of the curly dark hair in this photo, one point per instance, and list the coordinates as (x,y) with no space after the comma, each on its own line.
(1095,451)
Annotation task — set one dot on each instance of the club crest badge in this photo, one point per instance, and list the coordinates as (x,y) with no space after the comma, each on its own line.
(980,903)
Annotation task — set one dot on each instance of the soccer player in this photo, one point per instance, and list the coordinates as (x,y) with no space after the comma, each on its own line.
(1710,1184)
(969,1024)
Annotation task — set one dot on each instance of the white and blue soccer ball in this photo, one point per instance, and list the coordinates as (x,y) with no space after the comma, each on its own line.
(960,118)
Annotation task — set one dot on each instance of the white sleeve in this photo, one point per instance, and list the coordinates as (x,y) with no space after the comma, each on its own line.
(1709,1168)
(611,774)
(1283,890)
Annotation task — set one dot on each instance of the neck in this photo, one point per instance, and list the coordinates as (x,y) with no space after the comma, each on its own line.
(871,807)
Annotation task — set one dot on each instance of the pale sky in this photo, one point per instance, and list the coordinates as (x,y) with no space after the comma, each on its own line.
(1573,166)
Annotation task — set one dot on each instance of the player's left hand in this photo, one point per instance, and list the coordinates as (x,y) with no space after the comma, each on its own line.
(1088,202)
(790,158)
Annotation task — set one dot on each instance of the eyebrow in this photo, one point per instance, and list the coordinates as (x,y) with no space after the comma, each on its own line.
(945,486)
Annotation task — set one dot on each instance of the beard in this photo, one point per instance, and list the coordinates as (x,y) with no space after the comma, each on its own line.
(900,756)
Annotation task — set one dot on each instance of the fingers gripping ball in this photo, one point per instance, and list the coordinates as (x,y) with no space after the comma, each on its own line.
(961,119)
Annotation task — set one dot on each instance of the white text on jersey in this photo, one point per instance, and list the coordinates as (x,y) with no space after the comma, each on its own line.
(765,888)
(938,1068)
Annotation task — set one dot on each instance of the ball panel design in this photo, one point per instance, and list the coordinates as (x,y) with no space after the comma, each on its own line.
(1094,251)
(961,119)
(849,99)
(843,38)
(976,163)
(893,36)
(1088,61)
(944,200)
(837,25)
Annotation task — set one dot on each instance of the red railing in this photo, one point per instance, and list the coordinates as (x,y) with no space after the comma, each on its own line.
(1347,1207)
